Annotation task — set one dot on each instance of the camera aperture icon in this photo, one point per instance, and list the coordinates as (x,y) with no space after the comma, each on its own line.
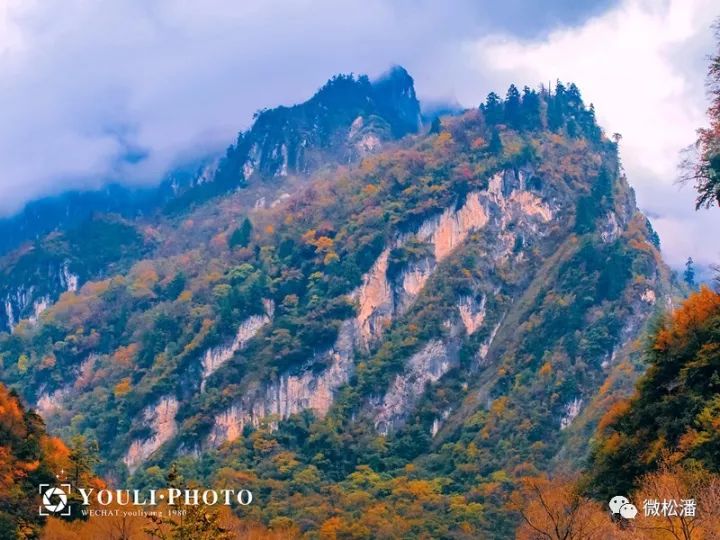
(54,500)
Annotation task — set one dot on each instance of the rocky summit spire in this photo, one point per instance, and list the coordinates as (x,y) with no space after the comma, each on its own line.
(347,118)
(394,93)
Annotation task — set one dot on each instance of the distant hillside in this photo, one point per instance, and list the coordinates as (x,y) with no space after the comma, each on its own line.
(347,119)
(73,209)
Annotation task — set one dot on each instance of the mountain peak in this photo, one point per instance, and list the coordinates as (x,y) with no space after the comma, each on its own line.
(395,93)
(348,118)
(398,76)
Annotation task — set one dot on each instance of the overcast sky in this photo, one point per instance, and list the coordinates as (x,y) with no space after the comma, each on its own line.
(93,91)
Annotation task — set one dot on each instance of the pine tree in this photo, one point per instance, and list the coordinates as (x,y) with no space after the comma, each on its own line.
(493,109)
(689,274)
(241,236)
(176,286)
(198,522)
(84,455)
(556,107)
(512,107)
(530,109)
(496,146)
(435,126)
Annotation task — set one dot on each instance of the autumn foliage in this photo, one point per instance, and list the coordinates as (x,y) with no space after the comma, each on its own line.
(556,509)
(28,458)
(674,415)
(703,169)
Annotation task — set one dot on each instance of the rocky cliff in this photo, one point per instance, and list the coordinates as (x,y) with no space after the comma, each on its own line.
(347,119)
(381,298)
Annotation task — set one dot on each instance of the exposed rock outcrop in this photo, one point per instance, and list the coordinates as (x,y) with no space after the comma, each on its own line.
(380,299)
(292,393)
(375,299)
(160,418)
(472,313)
(610,228)
(438,422)
(217,356)
(452,227)
(9,315)
(425,366)
(68,280)
(47,404)
(649,297)
(484,349)
(40,305)
(572,409)
(29,301)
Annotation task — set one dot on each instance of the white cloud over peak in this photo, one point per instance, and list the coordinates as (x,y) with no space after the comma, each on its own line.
(643,66)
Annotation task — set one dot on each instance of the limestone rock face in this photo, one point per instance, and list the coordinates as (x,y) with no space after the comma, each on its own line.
(380,299)
(484,349)
(572,409)
(411,282)
(375,299)
(453,227)
(68,279)
(649,297)
(425,366)
(28,301)
(160,418)
(217,356)
(472,313)
(438,422)
(40,305)
(610,228)
(291,393)
(47,404)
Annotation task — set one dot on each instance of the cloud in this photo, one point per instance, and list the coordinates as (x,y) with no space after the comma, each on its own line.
(87,84)
(93,91)
(643,66)
(99,90)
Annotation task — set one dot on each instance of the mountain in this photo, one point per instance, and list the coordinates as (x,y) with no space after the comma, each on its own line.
(658,446)
(34,276)
(673,415)
(72,209)
(381,345)
(348,118)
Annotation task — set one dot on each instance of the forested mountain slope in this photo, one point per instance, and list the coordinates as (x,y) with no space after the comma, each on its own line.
(660,446)
(388,346)
(348,118)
